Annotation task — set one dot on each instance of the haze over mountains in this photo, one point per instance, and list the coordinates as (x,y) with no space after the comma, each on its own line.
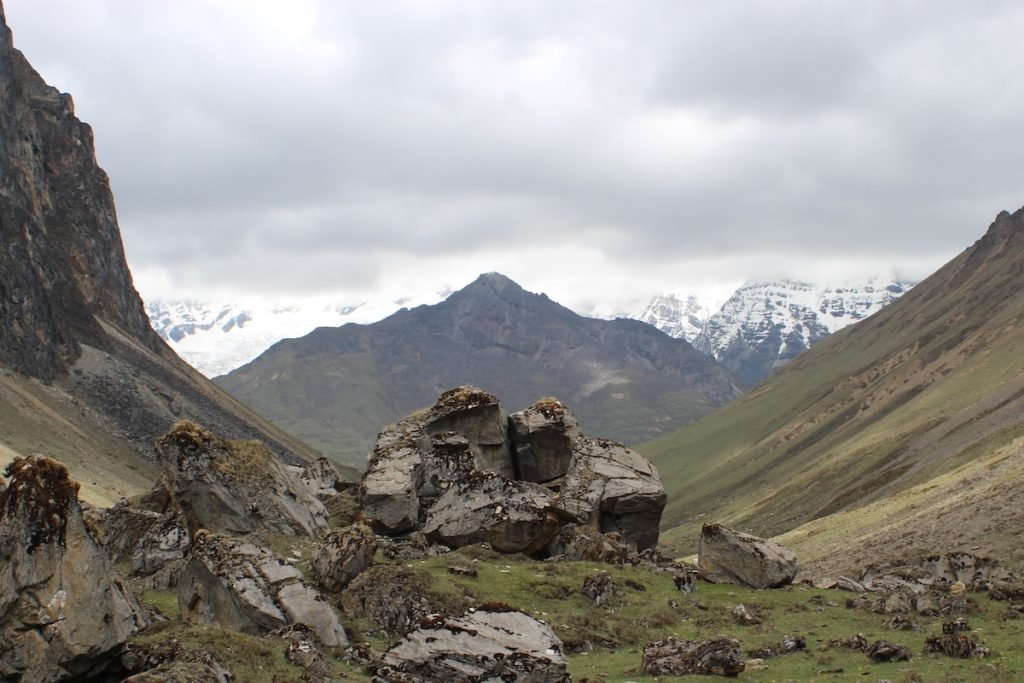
(898,436)
(624,379)
(83,377)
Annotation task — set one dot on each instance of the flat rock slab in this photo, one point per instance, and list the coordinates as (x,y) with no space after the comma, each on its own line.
(243,587)
(500,646)
(729,556)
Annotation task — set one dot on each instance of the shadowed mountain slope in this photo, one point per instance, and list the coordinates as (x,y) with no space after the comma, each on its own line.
(83,377)
(336,387)
(932,383)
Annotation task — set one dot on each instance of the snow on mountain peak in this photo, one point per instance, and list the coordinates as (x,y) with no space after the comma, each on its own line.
(217,337)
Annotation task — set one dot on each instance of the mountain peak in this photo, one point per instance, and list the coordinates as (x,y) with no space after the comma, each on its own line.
(495,281)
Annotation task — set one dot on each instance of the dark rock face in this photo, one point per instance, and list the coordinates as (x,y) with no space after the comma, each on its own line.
(455,485)
(482,645)
(614,489)
(63,610)
(728,556)
(543,435)
(394,599)
(484,507)
(70,314)
(63,266)
(242,586)
(234,487)
(671,657)
(342,555)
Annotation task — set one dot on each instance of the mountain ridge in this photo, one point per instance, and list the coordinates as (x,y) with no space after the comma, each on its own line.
(492,334)
(83,377)
(930,383)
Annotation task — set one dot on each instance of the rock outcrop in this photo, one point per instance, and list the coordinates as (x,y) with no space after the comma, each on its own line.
(72,319)
(342,555)
(543,435)
(671,657)
(442,471)
(615,489)
(244,587)
(729,556)
(234,487)
(481,645)
(63,610)
(484,507)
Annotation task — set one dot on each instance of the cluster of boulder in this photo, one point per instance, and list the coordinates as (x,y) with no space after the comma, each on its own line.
(457,474)
(461,472)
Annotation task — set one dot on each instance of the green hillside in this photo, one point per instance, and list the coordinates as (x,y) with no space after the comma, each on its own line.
(931,383)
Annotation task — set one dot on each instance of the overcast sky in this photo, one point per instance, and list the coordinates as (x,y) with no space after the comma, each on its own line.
(596,151)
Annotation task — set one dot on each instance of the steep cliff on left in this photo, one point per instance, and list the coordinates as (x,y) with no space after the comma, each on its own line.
(83,377)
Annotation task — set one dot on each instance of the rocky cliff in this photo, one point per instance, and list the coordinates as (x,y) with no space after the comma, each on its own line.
(83,377)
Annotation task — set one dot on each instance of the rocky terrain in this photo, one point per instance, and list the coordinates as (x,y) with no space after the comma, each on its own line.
(82,374)
(335,387)
(144,591)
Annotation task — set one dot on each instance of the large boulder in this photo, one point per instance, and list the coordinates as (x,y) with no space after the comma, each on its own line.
(234,487)
(614,488)
(443,471)
(342,555)
(417,459)
(543,435)
(244,587)
(484,507)
(482,645)
(63,610)
(729,556)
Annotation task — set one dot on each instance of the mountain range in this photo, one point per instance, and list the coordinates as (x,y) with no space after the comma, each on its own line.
(901,435)
(763,324)
(336,387)
(83,376)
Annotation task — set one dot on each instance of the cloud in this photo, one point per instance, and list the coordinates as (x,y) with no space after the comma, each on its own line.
(320,146)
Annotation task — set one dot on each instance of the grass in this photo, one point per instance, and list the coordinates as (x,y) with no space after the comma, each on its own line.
(648,607)
(904,398)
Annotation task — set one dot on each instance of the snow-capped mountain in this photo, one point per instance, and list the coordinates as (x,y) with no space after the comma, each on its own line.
(217,337)
(764,324)
(675,316)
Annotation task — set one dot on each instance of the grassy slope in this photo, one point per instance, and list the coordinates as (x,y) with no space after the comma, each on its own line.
(647,608)
(930,383)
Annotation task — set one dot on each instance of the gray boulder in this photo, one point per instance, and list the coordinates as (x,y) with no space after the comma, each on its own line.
(234,487)
(614,488)
(582,542)
(455,472)
(342,555)
(484,507)
(543,435)
(244,587)
(482,645)
(64,612)
(417,459)
(671,657)
(729,556)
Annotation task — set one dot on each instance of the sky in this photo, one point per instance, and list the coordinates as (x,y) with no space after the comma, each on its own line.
(600,152)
